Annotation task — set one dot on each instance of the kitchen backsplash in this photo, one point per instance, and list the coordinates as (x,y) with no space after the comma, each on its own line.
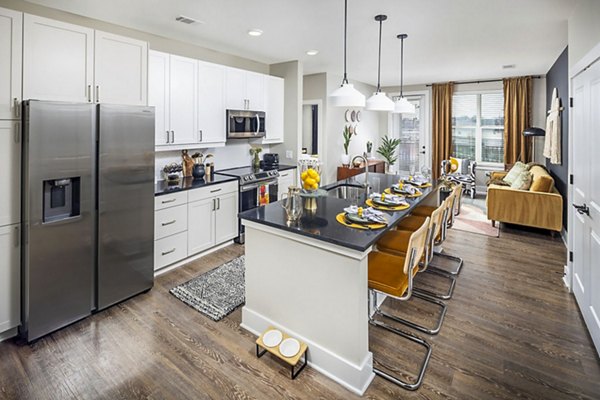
(234,154)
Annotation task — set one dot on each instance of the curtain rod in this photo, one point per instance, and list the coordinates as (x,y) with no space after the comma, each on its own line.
(481,81)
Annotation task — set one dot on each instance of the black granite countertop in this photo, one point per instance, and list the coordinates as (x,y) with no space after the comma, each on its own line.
(322,225)
(161,187)
(282,167)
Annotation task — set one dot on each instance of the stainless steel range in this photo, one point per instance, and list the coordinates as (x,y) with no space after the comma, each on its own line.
(257,188)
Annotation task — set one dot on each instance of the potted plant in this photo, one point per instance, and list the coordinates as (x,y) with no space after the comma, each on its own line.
(387,150)
(369,148)
(347,137)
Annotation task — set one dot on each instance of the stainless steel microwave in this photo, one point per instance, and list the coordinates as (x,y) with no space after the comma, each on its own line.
(244,124)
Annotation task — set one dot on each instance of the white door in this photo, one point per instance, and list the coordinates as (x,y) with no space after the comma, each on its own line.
(183,104)
(10,277)
(235,89)
(10,172)
(226,219)
(275,101)
(201,225)
(58,60)
(211,103)
(158,95)
(586,197)
(120,69)
(255,91)
(11,29)
(412,130)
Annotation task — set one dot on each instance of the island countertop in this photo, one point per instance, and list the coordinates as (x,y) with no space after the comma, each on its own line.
(322,225)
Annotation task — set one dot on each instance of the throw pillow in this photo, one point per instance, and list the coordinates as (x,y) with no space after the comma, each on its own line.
(542,183)
(459,165)
(522,181)
(514,172)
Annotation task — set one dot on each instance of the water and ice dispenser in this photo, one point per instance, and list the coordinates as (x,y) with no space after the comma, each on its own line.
(62,199)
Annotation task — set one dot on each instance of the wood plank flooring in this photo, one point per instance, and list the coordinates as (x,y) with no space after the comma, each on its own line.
(511,330)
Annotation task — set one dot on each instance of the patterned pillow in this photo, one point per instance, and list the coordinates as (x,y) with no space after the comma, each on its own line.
(514,172)
(459,165)
(522,181)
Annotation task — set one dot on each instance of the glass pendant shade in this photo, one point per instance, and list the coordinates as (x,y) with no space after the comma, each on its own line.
(403,106)
(379,102)
(347,96)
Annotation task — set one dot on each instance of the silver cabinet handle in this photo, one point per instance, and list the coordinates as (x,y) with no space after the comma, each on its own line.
(172,136)
(200,131)
(168,137)
(257,124)
(169,223)
(218,203)
(216,190)
(17,108)
(89,93)
(214,204)
(97,93)
(164,253)
(168,201)
(17,132)
(17,236)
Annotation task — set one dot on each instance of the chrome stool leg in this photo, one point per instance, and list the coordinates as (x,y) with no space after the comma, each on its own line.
(413,325)
(443,296)
(448,257)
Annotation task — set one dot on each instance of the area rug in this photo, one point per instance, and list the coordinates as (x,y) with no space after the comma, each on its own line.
(215,293)
(474,219)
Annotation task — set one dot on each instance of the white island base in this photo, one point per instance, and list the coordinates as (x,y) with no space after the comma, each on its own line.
(314,291)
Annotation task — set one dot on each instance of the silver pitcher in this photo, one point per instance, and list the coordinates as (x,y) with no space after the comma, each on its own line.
(292,203)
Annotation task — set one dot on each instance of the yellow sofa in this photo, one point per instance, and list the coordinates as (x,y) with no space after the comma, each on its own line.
(525,207)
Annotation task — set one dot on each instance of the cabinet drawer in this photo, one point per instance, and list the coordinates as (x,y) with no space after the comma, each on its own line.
(169,250)
(170,200)
(169,221)
(213,191)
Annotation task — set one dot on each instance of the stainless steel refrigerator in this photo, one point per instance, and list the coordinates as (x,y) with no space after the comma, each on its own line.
(88,210)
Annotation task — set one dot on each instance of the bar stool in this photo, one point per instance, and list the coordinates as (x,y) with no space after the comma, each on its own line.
(392,275)
(394,241)
(426,211)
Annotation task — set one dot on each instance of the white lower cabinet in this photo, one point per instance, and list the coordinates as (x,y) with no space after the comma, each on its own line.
(287,178)
(10,277)
(187,223)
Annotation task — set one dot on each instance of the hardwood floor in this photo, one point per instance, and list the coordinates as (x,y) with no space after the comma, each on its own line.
(511,330)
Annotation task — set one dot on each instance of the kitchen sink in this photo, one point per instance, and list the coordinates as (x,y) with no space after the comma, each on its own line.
(347,191)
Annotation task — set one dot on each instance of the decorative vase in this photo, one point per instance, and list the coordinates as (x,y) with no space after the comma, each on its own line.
(345,160)
(256,161)
(198,171)
(369,155)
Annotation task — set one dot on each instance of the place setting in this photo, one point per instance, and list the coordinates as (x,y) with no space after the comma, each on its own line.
(362,218)
(416,180)
(387,202)
(404,189)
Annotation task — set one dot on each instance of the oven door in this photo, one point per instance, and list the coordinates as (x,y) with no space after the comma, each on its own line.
(255,195)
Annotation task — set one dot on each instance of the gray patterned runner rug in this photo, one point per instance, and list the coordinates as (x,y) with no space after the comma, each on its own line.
(217,292)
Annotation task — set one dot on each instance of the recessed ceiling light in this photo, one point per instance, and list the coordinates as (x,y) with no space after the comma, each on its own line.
(312,52)
(188,20)
(255,32)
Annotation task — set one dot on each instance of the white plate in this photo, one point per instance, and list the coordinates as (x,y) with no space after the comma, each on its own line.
(289,347)
(272,338)
(347,115)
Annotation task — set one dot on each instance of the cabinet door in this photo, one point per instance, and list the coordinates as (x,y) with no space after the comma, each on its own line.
(11,47)
(58,60)
(211,109)
(183,104)
(158,95)
(235,86)
(274,98)
(10,172)
(201,223)
(286,179)
(226,219)
(255,91)
(10,277)
(120,69)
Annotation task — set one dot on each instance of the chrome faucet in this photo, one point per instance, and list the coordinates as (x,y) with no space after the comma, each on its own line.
(366,163)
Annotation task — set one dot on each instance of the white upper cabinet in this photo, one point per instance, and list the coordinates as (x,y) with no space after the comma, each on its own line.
(245,90)
(58,60)
(183,103)
(275,110)
(11,46)
(158,94)
(120,69)
(10,172)
(211,103)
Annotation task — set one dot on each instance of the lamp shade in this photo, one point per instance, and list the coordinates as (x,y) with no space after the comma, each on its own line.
(534,132)
(347,96)
(403,106)
(379,102)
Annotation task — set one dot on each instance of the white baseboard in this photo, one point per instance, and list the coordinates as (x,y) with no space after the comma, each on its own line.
(181,263)
(355,378)
(9,334)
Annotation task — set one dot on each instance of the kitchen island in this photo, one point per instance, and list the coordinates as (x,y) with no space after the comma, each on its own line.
(310,279)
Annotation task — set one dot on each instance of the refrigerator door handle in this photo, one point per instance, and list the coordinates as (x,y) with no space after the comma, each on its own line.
(17,132)
(17,236)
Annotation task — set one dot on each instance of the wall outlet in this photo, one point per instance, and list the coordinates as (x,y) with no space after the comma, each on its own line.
(289,154)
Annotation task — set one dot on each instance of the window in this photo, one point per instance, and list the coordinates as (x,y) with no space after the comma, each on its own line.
(478,126)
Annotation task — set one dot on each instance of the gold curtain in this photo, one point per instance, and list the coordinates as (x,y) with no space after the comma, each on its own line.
(442,125)
(517,118)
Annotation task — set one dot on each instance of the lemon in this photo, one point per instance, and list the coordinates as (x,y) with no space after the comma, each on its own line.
(312,173)
(315,186)
(382,196)
(310,181)
(304,175)
(307,186)
(360,212)
(317,179)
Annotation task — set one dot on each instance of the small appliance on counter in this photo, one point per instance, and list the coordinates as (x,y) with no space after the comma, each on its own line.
(270,161)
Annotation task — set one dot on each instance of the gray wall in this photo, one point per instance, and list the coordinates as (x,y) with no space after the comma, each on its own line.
(584,29)
(558,77)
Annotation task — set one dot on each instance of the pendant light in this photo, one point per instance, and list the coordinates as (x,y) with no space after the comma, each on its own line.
(403,106)
(379,101)
(346,95)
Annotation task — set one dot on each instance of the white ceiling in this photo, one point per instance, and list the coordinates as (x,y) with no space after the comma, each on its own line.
(448,39)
